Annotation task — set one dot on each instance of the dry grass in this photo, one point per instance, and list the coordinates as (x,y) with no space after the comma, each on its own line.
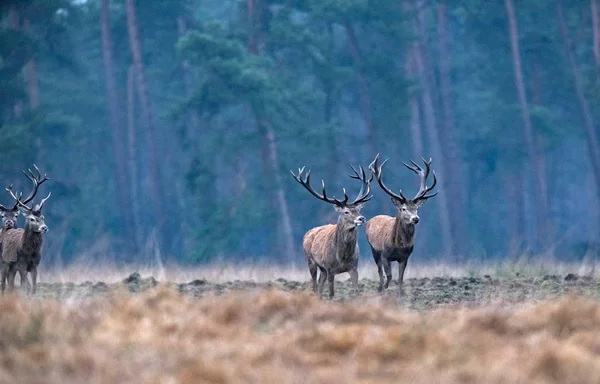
(220,272)
(270,336)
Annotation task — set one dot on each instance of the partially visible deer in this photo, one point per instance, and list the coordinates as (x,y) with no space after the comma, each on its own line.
(333,248)
(21,247)
(9,221)
(392,239)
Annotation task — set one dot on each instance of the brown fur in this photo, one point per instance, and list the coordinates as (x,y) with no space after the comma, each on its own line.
(333,249)
(392,239)
(21,251)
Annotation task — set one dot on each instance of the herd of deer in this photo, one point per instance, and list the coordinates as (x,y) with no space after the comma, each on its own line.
(21,247)
(333,248)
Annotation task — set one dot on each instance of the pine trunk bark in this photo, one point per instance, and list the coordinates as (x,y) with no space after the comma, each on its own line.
(527,126)
(433,134)
(363,87)
(154,168)
(120,170)
(132,158)
(455,183)
(590,128)
(596,30)
(270,152)
(416,131)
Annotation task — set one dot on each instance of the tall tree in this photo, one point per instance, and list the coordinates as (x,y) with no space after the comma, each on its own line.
(33,86)
(154,168)
(431,128)
(132,158)
(116,123)
(595,30)
(590,128)
(269,139)
(454,184)
(526,120)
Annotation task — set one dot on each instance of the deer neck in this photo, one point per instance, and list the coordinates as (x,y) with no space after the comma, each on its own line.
(32,241)
(345,241)
(404,234)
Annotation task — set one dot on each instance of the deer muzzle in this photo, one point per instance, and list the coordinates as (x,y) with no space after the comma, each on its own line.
(360,220)
(44,228)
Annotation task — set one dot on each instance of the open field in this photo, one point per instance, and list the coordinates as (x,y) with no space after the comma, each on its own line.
(460,326)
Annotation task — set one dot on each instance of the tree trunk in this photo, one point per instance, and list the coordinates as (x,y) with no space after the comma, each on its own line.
(596,30)
(455,183)
(193,118)
(154,168)
(363,87)
(513,188)
(270,152)
(33,87)
(433,135)
(120,170)
(13,23)
(527,126)
(415,113)
(540,159)
(328,88)
(590,129)
(132,158)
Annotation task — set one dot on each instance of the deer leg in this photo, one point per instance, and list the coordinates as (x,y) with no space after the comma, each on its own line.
(354,279)
(401,268)
(24,280)
(330,278)
(12,272)
(388,271)
(322,278)
(4,276)
(312,267)
(33,280)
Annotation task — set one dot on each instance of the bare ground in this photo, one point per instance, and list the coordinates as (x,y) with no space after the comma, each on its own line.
(511,329)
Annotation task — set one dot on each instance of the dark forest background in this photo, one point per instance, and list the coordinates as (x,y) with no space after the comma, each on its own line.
(169,127)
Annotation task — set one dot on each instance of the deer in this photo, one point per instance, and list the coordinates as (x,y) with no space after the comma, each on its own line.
(21,247)
(333,248)
(9,221)
(392,238)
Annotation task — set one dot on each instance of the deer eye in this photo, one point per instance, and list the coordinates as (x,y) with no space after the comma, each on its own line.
(347,212)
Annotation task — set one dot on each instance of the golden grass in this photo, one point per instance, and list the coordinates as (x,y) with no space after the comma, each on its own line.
(270,336)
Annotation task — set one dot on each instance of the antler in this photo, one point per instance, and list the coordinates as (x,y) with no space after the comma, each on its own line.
(423,174)
(365,187)
(376,169)
(37,180)
(362,196)
(306,184)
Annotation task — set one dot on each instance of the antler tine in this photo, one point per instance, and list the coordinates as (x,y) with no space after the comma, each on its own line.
(306,184)
(423,189)
(362,176)
(37,180)
(17,198)
(38,208)
(377,172)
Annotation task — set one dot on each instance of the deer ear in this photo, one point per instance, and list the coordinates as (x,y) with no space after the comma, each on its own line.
(418,203)
(360,205)
(24,211)
(396,202)
(338,209)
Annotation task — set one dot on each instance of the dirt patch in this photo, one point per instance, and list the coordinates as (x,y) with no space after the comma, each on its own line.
(421,293)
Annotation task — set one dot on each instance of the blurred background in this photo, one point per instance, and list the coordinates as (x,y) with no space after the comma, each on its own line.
(169,128)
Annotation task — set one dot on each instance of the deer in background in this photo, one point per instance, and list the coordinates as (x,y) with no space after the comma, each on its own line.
(9,221)
(333,248)
(392,239)
(21,247)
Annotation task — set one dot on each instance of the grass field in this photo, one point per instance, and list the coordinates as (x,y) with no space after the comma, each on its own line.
(501,324)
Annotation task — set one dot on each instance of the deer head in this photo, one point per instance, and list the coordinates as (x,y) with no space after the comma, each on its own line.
(407,208)
(9,216)
(349,212)
(34,219)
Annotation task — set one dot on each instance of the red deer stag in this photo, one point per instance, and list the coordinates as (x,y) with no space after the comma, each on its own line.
(333,248)
(392,239)
(21,247)
(9,221)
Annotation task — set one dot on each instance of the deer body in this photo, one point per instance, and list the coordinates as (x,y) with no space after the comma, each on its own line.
(22,247)
(393,238)
(333,248)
